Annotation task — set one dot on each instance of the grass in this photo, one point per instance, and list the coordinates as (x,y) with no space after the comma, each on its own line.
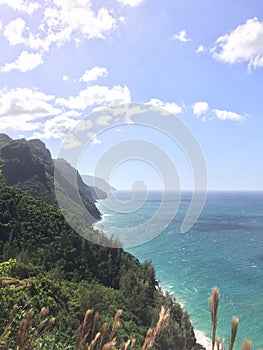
(213,305)
(29,332)
(213,302)
(31,329)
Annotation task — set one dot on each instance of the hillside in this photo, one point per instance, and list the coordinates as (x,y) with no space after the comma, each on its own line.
(28,165)
(60,269)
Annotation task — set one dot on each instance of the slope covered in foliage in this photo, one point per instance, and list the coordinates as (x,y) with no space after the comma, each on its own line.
(70,274)
(56,267)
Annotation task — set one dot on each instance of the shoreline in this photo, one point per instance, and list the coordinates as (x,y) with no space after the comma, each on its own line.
(201,338)
(98,225)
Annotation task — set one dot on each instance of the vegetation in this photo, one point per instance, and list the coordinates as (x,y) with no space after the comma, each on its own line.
(56,267)
(30,333)
(213,302)
(28,165)
(213,305)
(44,262)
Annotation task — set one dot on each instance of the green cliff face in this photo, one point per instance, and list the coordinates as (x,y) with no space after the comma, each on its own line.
(28,165)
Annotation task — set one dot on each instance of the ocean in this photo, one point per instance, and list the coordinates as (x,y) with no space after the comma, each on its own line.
(224,248)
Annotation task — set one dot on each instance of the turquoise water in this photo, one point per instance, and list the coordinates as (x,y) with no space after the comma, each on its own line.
(224,249)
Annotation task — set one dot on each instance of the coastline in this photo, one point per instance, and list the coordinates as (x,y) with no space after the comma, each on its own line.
(98,225)
(202,340)
(185,253)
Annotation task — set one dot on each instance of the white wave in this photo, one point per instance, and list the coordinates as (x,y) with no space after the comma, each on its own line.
(97,226)
(168,288)
(203,339)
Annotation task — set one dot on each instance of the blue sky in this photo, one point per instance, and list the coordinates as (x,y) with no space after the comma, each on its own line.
(200,60)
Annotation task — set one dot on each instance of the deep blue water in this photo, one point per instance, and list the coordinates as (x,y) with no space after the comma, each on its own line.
(224,248)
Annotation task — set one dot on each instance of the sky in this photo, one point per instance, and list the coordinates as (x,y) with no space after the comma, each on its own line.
(202,61)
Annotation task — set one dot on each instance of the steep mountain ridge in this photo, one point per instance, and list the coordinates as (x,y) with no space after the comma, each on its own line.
(28,165)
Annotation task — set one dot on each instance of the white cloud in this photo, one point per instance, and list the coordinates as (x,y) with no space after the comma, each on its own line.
(84,124)
(243,44)
(16,32)
(170,107)
(72,17)
(11,124)
(104,120)
(72,113)
(228,115)
(13,31)
(93,74)
(75,20)
(56,128)
(1,26)
(25,62)
(181,36)
(35,42)
(61,21)
(132,3)
(122,19)
(21,101)
(26,6)
(96,141)
(200,49)
(97,95)
(22,108)
(202,109)
(71,142)
(65,77)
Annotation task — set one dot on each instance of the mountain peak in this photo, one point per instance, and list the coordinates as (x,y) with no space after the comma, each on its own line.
(4,139)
